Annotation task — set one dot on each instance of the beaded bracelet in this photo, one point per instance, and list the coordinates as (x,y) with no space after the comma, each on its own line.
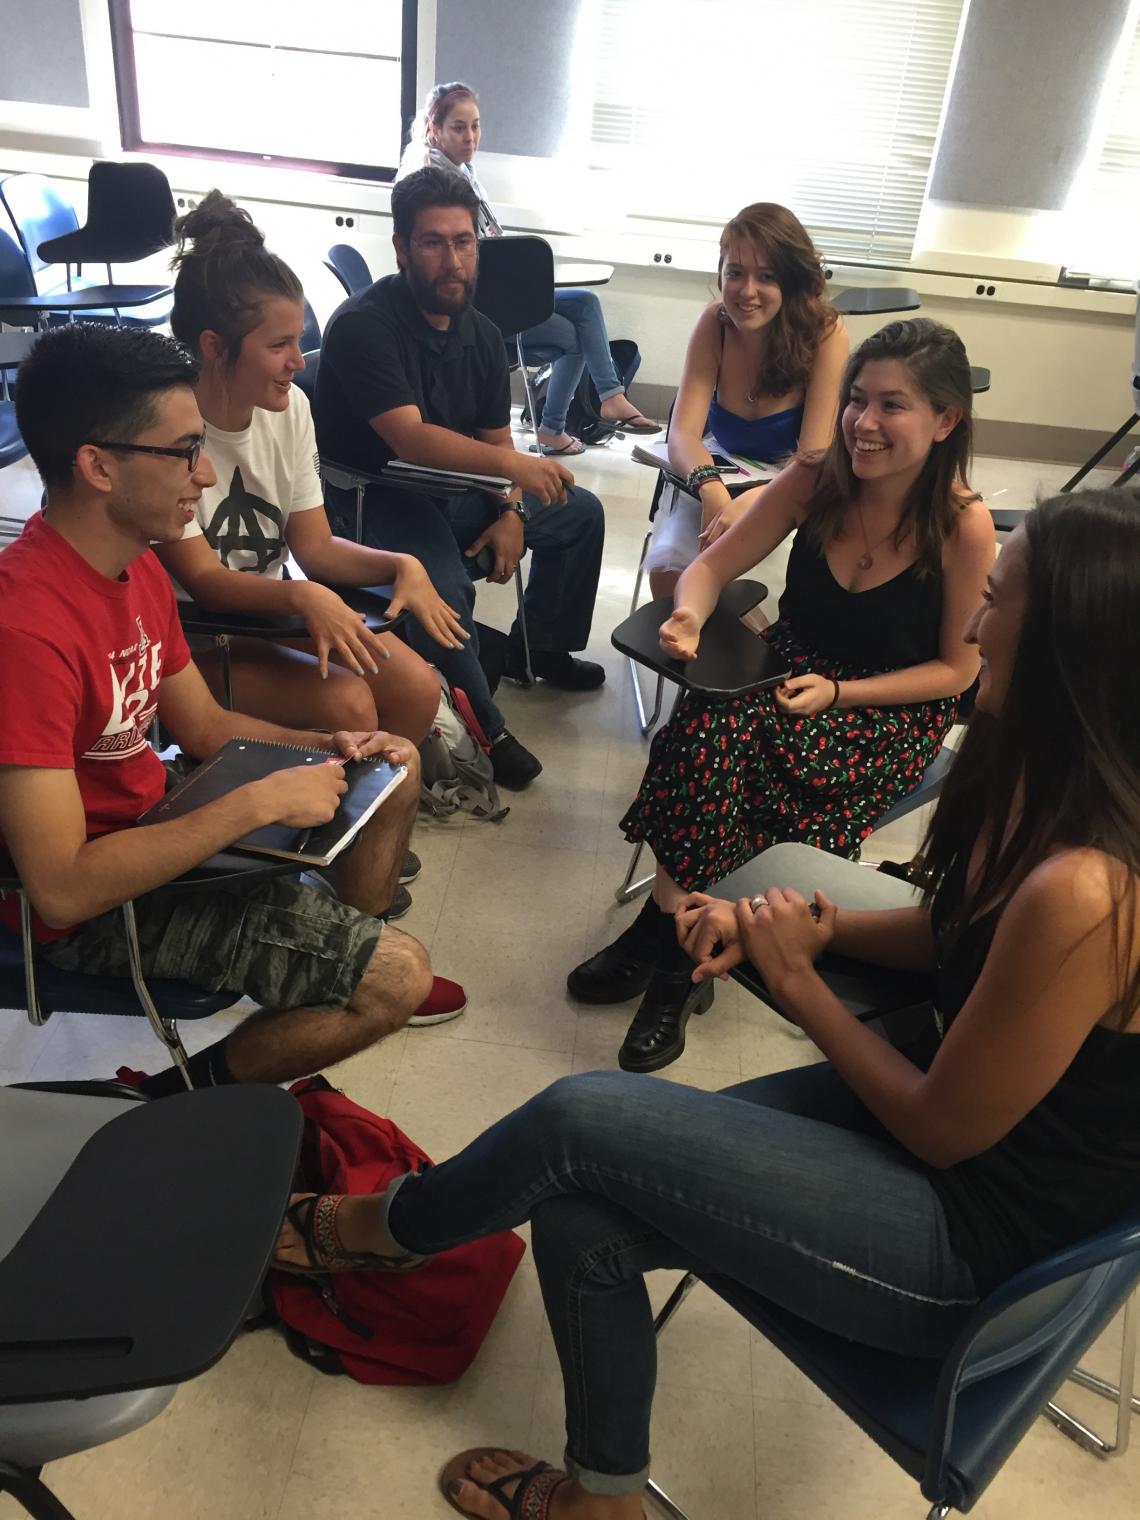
(696,478)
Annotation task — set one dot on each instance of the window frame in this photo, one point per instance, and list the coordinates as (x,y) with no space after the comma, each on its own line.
(130,130)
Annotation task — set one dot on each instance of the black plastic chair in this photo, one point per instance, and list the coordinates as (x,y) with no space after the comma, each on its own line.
(350,268)
(130,215)
(515,289)
(44,220)
(952,1424)
(133,1237)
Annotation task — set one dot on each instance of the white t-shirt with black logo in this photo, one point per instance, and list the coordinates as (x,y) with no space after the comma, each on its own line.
(265,472)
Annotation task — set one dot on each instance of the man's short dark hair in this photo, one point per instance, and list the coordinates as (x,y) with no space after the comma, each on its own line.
(90,380)
(428,187)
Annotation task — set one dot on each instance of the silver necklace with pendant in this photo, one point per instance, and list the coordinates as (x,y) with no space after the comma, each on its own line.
(866,561)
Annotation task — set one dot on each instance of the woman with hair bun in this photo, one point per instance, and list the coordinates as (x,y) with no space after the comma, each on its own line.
(240,309)
(761,378)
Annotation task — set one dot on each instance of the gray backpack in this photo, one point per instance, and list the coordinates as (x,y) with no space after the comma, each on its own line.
(457,773)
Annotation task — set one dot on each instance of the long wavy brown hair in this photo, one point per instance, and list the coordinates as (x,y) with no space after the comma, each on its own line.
(806,316)
(1062,757)
(935,359)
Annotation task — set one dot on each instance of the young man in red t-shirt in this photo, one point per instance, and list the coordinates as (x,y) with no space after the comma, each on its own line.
(91,648)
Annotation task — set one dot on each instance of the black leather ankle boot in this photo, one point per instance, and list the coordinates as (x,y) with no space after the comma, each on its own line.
(657,1035)
(622,970)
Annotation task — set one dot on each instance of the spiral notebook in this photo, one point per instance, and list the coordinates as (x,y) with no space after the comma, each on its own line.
(242,760)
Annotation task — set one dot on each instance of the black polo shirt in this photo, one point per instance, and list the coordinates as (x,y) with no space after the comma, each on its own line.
(380,352)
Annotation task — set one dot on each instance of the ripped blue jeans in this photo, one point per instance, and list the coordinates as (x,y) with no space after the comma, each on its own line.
(786,1184)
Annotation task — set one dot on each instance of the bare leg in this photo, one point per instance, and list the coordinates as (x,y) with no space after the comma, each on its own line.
(405,691)
(281,1046)
(280,681)
(663,582)
(666,893)
(569,1500)
(283,685)
(365,878)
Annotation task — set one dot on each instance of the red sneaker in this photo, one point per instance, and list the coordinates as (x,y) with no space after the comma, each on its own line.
(446,1000)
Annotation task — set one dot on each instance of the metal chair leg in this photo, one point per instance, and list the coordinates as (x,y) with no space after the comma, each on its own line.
(165,1029)
(644,723)
(629,888)
(662,1502)
(31,1493)
(359,511)
(678,1296)
(522,626)
(660,1498)
(1123,1396)
(528,388)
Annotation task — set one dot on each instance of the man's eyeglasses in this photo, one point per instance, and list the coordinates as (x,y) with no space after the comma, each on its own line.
(464,245)
(192,452)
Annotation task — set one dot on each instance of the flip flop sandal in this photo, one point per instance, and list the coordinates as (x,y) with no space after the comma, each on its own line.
(530,1501)
(639,425)
(575,446)
(314,1219)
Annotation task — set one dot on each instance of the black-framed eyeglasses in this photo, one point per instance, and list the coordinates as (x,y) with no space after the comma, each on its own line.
(192,452)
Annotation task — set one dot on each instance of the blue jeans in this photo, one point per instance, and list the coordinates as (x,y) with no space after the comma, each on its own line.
(565,546)
(578,328)
(786,1184)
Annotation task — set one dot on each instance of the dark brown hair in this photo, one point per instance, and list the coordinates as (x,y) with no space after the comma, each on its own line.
(225,275)
(440,99)
(1065,748)
(806,316)
(936,361)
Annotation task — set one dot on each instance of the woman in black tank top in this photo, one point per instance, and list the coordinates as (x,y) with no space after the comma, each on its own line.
(875,1195)
(1026,1104)
(888,561)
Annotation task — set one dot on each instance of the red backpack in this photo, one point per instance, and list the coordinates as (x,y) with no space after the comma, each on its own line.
(383,1327)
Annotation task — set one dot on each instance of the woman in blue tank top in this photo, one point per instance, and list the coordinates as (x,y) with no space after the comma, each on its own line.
(761,378)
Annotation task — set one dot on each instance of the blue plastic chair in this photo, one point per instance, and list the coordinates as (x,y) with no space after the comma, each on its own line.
(952,1424)
(12,446)
(349,266)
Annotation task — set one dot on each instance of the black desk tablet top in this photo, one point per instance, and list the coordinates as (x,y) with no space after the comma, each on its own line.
(139,1269)
(731,660)
(90,298)
(371,601)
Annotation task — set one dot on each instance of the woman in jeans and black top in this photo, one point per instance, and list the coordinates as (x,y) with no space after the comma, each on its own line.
(891,552)
(881,1193)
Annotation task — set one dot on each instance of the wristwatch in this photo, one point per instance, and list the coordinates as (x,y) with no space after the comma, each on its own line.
(519,508)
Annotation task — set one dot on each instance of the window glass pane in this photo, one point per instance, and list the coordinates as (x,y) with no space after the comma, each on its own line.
(262,100)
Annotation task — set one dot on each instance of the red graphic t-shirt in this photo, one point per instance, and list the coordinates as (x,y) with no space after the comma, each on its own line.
(81,658)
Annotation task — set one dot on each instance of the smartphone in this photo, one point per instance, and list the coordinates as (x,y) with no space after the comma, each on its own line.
(722,462)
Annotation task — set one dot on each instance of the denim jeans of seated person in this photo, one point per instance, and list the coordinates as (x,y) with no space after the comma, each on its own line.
(578,327)
(786,1184)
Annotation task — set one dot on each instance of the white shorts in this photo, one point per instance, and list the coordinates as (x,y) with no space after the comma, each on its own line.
(676,531)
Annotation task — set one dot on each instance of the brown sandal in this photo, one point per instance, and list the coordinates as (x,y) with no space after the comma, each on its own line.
(313,1216)
(530,1501)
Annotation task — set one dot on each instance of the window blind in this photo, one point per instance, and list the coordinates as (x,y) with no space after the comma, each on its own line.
(831,107)
(1103,215)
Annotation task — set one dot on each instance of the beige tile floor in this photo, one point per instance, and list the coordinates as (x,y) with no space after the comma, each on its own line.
(738,1433)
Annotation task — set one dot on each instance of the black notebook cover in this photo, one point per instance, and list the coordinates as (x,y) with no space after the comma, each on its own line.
(242,760)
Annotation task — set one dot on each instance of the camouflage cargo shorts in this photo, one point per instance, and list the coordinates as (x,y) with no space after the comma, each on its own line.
(278,941)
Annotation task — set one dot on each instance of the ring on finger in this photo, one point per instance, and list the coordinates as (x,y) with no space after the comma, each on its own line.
(757,902)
